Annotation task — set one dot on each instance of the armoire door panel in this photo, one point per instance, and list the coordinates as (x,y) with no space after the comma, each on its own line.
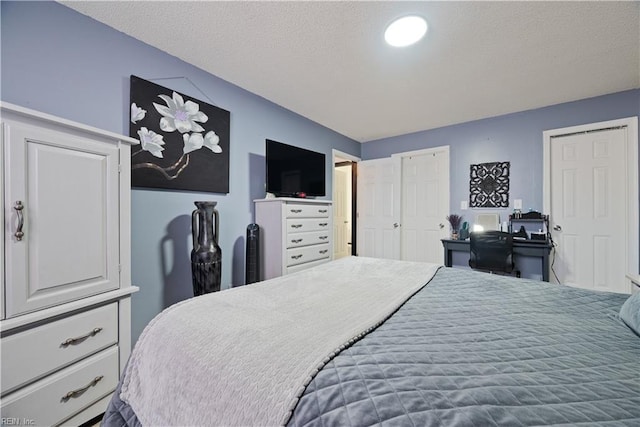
(69,224)
(69,191)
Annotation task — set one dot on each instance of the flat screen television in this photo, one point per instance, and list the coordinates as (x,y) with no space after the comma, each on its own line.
(294,171)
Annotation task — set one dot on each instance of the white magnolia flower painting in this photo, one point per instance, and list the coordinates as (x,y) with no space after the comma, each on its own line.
(179,115)
(184,142)
(196,141)
(137,113)
(151,142)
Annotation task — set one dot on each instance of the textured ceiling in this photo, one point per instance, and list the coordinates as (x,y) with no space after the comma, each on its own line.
(327,61)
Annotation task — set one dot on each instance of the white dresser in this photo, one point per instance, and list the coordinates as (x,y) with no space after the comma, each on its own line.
(65,302)
(294,234)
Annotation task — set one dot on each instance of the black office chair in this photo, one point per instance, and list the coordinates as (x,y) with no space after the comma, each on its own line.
(491,251)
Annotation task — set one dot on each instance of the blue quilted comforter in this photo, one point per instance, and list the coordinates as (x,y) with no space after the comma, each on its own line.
(477,349)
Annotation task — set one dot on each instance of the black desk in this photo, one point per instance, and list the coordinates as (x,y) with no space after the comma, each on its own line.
(541,250)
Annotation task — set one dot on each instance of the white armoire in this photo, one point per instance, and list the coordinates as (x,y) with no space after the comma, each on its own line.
(65,302)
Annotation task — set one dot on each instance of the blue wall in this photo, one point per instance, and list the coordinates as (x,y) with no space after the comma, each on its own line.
(61,62)
(516,138)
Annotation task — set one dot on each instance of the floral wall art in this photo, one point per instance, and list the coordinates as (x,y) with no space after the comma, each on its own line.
(489,185)
(184,142)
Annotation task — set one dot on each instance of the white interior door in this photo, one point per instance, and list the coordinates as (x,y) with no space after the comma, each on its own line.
(424,203)
(341,212)
(378,210)
(588,180)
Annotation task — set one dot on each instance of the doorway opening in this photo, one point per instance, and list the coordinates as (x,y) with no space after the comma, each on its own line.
(345,167)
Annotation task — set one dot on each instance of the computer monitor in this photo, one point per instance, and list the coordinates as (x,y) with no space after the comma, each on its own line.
(486,222)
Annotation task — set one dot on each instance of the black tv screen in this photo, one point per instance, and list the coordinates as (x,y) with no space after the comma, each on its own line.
(293,170)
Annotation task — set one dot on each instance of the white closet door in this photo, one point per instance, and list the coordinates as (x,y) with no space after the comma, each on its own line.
(588,209)
(378,210)
(68,187)
(425,204)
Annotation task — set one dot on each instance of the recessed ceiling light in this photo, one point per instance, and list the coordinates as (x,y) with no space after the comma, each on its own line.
(405,31)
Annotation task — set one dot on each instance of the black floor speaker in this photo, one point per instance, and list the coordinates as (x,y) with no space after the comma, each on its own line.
(252,271)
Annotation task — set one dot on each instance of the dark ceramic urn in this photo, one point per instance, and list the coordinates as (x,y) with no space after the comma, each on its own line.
(206,256)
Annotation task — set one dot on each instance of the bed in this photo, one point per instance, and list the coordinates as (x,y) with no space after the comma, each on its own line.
(361,341)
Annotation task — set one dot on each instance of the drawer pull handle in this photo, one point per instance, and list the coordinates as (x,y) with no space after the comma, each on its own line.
(82,338)
(322,210)
(323,224)
(296,210)
(296,256)
(296,241)
(296,225)
(323,237)
(324,251)
(78,392)
(19,233)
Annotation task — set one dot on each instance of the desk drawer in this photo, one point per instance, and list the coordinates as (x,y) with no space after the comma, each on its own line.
(297,256)
(44,402)
(307,224)
(295,240)
(40,351)
(292,210)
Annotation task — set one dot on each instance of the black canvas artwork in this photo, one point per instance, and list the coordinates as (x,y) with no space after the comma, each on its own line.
(489,185)
(184,142)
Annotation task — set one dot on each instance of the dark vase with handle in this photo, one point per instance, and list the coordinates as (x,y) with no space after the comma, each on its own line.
(206,256)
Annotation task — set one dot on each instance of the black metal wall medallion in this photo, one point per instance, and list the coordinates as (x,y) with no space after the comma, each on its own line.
(489,185)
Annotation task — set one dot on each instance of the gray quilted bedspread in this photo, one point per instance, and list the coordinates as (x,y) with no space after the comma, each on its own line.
(473,349)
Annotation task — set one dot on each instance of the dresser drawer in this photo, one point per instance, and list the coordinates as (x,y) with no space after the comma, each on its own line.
(39,351)
(301,267)
(295,225)
(295,240)
(292,210)
(297,256)
(57,397)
